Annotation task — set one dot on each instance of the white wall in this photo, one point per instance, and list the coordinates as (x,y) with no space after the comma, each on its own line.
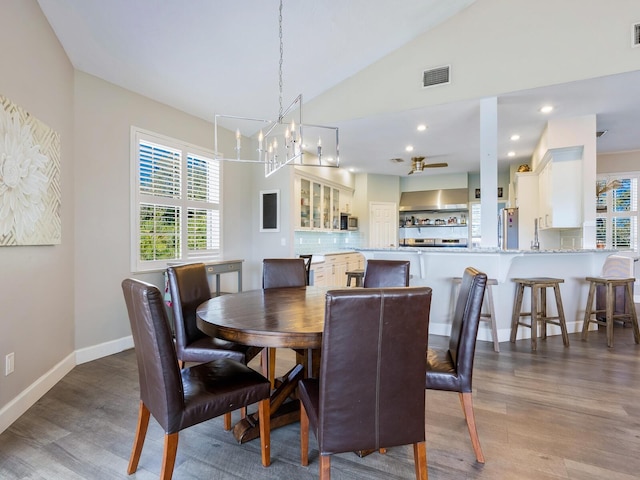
(104,116)
(37,282)
(619,162)
(493,47)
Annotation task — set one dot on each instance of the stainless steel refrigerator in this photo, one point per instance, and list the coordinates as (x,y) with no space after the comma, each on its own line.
(508,234)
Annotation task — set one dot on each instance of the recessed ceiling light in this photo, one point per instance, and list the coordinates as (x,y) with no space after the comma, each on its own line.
(409,148)
(547,109)
(515,137)
(422,128)
(511,154)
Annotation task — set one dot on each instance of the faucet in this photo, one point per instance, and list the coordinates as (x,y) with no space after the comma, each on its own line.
(535,244)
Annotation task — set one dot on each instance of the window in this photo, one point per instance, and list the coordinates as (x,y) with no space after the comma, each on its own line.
(175,202)
(617,212)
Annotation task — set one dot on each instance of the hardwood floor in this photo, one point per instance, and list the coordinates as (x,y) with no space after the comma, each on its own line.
(558,413)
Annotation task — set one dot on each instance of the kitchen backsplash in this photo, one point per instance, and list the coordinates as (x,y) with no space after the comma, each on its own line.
(325,242)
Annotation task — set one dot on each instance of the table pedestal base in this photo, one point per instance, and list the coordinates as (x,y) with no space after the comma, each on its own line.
(282,413)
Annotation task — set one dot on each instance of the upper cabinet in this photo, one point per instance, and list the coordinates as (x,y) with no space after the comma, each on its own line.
(318,204)
(560,187)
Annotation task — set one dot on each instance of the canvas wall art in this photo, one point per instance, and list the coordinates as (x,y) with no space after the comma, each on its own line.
(29,179)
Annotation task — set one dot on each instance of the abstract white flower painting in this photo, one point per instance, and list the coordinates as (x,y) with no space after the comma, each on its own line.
(29,179)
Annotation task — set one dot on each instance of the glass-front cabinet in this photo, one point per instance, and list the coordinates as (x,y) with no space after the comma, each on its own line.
(318,205)
(304,191)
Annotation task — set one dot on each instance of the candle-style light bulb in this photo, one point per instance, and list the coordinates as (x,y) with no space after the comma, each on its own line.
(238,138)
(293,130)
(319,147)
(260,140)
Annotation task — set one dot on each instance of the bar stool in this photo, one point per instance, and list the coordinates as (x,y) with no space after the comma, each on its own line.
(538,311)
(610,285)
(489,314)
(358,275)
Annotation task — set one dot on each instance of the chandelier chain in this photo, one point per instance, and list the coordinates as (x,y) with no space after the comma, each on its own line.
(280,66)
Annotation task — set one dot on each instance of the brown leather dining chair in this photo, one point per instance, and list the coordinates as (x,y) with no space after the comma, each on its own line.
(189,287)
(370,391)
(386,273)
(307,265)
(176,398)
(281,273)
(452,369)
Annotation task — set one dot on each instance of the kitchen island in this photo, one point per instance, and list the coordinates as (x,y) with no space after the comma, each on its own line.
(435,268)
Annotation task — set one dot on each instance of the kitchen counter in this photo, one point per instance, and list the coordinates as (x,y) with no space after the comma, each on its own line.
(434,267)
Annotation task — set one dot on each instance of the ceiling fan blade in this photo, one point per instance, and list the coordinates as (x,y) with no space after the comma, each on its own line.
(435,165)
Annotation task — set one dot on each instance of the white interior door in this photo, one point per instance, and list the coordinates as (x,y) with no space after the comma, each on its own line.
(383,227)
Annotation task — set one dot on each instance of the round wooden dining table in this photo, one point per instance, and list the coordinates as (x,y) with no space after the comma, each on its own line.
(290,317)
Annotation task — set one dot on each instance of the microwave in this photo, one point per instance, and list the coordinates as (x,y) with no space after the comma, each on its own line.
(348,222)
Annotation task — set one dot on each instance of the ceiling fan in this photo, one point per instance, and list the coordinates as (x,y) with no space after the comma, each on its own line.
(417,165)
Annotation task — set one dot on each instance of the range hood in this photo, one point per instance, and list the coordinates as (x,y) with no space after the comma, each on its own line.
(448,199)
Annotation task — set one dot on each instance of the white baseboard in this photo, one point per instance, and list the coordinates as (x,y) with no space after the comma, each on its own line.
(25,400)
(20,404)
(95,352)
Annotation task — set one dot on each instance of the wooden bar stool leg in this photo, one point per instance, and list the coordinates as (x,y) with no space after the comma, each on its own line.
(588,310)
(515,316)
(561,319)
(543,312)
(610,305)
(632,310)
(534,318)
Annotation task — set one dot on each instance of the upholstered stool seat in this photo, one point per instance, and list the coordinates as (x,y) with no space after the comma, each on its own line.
(538,313)
(358,275)
(489,312)
(629,314)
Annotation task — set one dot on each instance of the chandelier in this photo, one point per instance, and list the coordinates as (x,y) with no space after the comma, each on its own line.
(282,141)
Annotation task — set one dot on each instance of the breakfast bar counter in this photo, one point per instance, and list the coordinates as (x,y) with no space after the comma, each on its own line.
(435,267)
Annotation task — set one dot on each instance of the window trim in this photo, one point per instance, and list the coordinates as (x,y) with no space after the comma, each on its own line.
(137,265)
(609,215)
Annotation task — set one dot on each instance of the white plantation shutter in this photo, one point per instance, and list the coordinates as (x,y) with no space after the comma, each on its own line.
(176,202)
(617,213)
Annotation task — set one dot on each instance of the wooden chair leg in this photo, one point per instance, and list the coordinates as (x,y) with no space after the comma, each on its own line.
(169,455)
(467,405)
(264,420)
(325,467)
(138,442)
(304,436)
(610,308)
(227,421)
(420,460)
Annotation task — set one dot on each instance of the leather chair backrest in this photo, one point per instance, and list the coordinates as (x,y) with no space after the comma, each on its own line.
(283,272)
(464,325)
(372,369)
(189,287)
(386,273)
(161,387)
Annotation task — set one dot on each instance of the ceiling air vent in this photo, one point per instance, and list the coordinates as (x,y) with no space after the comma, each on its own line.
(436,76)
(636,35)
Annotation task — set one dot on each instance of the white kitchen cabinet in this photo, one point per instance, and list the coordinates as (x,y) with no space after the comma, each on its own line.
(337,265)
(319,279)
(318,205)
(526,199)
(560,190)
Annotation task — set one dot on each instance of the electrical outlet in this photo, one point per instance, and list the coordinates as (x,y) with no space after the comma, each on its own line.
(9,364)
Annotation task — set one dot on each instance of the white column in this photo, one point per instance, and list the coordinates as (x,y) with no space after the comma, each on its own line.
(489,171)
